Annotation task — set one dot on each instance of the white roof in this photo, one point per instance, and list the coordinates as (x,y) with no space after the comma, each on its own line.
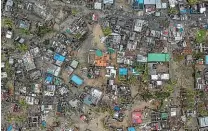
(173,112)
(164,5)
(48,93)
(113,71)
(158,4)
(98,5)
(9,34)
(108,1)
(159,83)
(154,77)
(202,10)
(57,71)
(30,100)
(2,64)
(203,121)
(96,93)
(165,76)
(172,3)
(3,74)
(11,60)
(74,64)
(138,25)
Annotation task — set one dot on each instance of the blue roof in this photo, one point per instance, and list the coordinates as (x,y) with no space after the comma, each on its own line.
(59,57)
(131,129)
(44,123)
(123,71)
(183,11)
(206,59)
(116,108)
(49,78)
(140,1)
(77,80)
(9,128)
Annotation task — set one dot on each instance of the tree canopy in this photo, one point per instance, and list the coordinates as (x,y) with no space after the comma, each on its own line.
(107,31)
(200,36)
(173,11)
(192,2)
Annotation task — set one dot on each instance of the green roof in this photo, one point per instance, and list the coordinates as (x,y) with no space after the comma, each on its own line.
(158,57)
(98,53)
(164,116)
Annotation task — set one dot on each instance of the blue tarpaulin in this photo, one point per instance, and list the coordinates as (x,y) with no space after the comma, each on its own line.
(206,59)
(131,129)
(123,71)
(77,80)
(116,108)
(9,128)
(44,123)
(49,78)
(59,57)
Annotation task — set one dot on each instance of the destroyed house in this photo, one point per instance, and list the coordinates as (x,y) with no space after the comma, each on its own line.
(8,5)
(28,61)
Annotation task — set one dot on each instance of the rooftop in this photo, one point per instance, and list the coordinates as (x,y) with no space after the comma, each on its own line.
(102,61)
(158,57)
(59,57)
(77,80)
(131,129)
(149,2)
(123,71)
(136,117)
(203,121)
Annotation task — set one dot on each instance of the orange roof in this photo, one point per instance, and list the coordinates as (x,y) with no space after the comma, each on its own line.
(102,61)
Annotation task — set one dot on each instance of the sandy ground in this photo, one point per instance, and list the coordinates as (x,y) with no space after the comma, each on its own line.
(94,125)
(97,33)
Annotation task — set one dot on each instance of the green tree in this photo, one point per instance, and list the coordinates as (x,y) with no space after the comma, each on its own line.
(173,11)
(23,104)
(197,55)
(146,95)
(78,36)
(169,88)
(192,2)
(161,95)
(22,47)
(107,31)
(25,31)
(42,30)
(8,22)
(74,11)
